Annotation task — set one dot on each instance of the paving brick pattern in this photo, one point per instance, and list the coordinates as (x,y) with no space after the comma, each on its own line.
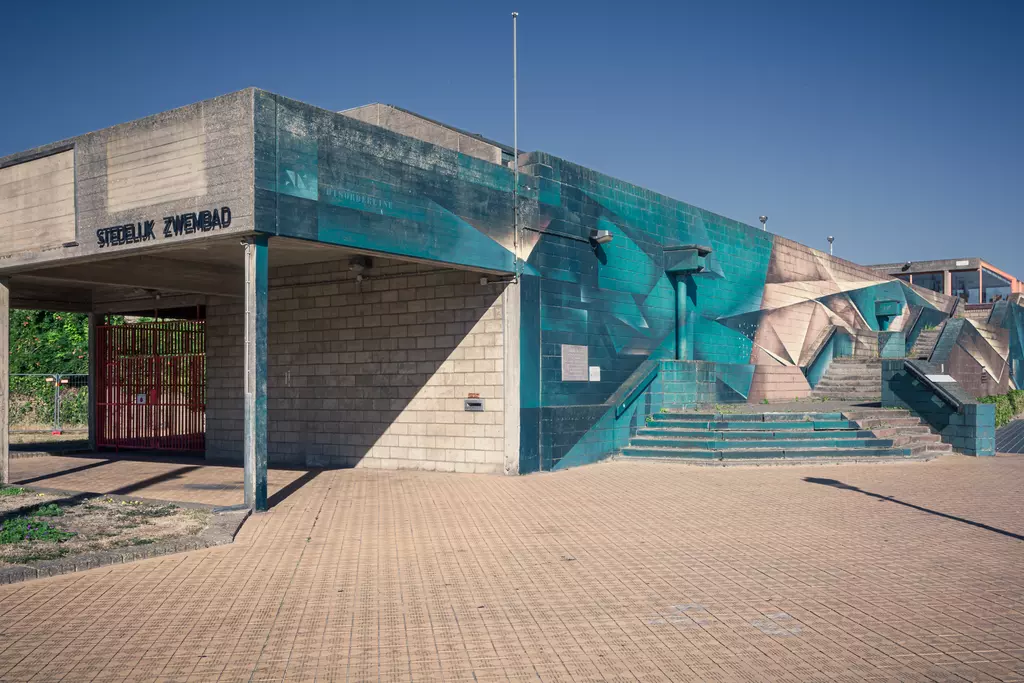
(1010,438)
(178,479)
(619,571)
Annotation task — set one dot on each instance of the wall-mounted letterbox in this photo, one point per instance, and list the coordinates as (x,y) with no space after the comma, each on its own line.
(474,405)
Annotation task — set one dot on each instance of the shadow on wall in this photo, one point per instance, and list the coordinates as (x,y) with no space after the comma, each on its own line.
(378,369)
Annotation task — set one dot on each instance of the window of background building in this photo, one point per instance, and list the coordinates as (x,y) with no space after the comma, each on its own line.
(903,276)
(994,287)
(965,285)
(932,281)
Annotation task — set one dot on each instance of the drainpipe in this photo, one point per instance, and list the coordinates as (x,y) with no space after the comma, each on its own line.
(681,349)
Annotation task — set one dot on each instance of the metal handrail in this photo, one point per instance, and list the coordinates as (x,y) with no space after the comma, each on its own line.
(935,387)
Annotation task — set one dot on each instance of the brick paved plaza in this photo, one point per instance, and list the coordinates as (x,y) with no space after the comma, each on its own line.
(617,571)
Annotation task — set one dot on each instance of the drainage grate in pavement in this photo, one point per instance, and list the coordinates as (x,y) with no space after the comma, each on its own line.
(1010,438)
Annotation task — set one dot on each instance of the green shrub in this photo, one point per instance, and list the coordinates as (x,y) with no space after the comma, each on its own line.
(12,491)
(1008,406)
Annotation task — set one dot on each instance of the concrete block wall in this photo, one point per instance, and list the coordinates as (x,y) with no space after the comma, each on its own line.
(969,428)
(368,374)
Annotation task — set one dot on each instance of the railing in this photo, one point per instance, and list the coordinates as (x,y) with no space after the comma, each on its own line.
(635,385)
(935,387)
(49,402)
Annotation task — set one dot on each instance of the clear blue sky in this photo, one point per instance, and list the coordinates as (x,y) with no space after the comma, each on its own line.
(894,125)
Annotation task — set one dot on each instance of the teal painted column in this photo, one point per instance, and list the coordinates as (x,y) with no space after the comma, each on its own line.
(682,348)
(255,352)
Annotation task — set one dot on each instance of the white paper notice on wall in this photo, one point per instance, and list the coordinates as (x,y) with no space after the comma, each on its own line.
(575,360)
(595,373)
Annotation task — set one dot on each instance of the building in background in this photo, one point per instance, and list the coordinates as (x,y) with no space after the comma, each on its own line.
(957,277)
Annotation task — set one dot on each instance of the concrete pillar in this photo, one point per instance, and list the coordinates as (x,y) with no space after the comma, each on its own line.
(94,319)
(255,352)
(5,379)
(981,282)
(947,283)
(681,346)
(511,321)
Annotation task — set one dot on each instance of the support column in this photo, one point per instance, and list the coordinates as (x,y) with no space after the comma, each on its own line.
(255,352)
(93,369)
(5,379)
(681,347)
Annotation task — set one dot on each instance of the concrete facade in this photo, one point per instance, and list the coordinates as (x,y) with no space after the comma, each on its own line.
(371,373)
(308,364)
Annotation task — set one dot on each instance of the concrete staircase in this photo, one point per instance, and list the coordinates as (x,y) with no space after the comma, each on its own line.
(864,434)
(904,428)
(925,343)
(851,379)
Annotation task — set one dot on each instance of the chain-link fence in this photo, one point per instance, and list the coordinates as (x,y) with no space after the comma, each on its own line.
(50,403)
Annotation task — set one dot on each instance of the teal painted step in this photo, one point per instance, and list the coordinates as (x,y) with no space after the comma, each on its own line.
(805,435)
(725,444)
(765,426)
(748,417)
(762,454)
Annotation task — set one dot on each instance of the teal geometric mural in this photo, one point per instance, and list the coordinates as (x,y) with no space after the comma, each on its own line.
(756,301)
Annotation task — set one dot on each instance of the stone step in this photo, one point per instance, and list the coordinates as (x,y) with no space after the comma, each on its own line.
(922,433)
(809,425)
(735,434)
(767,416)
(873,422)
(720,444)
(761,453)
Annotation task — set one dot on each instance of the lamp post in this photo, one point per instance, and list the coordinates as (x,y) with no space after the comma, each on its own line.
(764,222)
(831,239)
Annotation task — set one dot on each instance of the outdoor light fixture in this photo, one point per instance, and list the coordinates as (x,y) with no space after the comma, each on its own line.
(357,264)
(906,266)
(764,222)
(831,239)
(601,236)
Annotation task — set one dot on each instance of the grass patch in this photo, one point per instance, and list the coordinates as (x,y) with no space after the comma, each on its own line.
(48,510)
(27,529)
(43,526)
(12,491)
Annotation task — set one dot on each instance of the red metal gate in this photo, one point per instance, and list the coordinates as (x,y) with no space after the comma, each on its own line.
(151,385)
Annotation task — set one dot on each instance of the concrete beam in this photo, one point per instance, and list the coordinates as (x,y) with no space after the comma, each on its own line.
(142,303)
(5,380)
(149,272)
(255,359)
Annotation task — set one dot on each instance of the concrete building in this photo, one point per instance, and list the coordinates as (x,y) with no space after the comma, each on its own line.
(367,289)
(957,277)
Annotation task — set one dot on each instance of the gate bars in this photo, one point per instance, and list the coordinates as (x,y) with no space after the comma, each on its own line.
(151,385)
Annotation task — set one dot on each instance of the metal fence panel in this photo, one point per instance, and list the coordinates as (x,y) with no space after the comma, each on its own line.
(33,406)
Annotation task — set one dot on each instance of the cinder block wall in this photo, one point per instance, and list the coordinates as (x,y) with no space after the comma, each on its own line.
(367,374)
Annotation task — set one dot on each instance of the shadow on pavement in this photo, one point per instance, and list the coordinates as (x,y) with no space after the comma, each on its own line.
(840,485)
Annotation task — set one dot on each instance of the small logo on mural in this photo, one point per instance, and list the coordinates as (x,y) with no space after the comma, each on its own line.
(174,226)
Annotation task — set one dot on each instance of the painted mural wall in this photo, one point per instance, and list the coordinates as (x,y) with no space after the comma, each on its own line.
(762,319)
(327,177)
(985,354)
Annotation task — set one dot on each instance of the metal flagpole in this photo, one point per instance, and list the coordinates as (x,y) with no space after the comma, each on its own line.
(515,145)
